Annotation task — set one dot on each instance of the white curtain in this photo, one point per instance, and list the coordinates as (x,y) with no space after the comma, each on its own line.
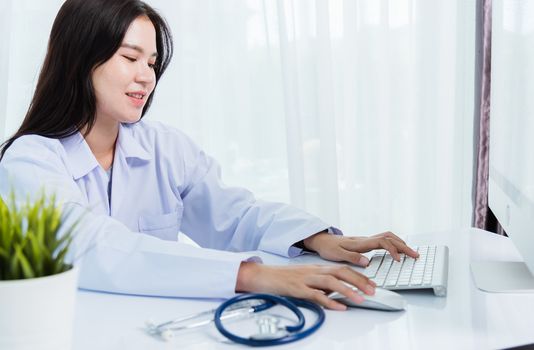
(360,111)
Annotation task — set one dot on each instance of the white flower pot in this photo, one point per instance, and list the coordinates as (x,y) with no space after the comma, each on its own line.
(38,313)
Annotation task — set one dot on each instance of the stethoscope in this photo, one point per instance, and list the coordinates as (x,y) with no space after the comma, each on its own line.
(270,332)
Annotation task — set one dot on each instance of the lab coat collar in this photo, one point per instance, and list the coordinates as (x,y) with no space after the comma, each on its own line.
(81,161)
(129,145)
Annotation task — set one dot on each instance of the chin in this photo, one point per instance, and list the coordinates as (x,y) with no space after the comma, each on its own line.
(131,119)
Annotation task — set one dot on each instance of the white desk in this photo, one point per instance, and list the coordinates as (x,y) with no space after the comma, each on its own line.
(466,319)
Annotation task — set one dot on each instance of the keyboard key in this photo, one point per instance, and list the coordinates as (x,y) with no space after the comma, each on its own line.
(374,264)
(403,282)
(379,281)
(408,273)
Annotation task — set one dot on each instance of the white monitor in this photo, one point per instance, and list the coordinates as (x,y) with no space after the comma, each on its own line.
(511,161)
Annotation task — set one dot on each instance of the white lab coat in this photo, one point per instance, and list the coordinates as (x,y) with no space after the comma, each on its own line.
(162,183)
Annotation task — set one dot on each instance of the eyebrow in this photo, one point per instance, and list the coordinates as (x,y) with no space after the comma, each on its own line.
(138,48)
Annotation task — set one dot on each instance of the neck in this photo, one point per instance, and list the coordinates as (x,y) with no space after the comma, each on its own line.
(101,140)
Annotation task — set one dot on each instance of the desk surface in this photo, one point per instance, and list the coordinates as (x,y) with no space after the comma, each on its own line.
(467,318)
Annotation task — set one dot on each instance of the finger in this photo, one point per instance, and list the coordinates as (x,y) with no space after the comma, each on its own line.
(353,257)
(390,246)
(391,235)
(353,278)
(403,248)
(365,244)
(362,245)
(371,243)
(321,299)
(332,284)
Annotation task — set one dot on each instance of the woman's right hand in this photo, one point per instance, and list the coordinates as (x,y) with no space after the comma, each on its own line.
(311,282)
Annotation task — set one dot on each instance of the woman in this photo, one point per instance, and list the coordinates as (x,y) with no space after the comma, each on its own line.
(136,184)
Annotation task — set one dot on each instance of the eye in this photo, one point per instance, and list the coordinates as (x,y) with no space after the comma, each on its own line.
(131,59)
(152,65)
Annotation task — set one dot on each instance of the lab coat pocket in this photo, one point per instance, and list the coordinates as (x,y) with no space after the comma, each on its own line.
(164,226)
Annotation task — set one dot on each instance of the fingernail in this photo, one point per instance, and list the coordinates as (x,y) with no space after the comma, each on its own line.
(358,298)
(363,261)
(341,307)
(369,289)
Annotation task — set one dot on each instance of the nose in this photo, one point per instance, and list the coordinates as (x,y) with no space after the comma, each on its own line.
(145,74)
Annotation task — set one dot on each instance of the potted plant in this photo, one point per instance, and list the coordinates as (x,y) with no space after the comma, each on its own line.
(37,288)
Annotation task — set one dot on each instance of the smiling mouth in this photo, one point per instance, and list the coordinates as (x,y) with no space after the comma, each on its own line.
(137,96)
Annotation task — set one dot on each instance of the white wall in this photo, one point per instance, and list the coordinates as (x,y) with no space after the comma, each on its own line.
(5,34)
(28,25)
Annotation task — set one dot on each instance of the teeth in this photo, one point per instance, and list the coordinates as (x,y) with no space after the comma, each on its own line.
(139,96)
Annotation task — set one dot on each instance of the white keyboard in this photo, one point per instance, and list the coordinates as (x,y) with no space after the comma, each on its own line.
(429,271)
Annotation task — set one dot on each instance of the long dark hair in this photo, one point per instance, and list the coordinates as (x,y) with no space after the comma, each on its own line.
(85,34)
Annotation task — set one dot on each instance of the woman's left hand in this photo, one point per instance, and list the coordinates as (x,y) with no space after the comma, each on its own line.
(343,248)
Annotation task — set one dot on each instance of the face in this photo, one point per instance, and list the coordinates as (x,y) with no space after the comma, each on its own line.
(123,83)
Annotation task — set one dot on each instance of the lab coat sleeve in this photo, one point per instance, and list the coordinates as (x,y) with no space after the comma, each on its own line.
(111,257)
(231,218)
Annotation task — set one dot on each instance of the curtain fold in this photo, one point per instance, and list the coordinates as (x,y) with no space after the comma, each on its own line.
(288,59)
(483,218)
(365,107)
(358,111)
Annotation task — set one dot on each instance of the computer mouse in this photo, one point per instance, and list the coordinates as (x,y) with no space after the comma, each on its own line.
(383,299)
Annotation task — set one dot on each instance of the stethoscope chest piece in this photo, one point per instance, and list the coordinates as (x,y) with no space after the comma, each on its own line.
(270,332)
(269,328)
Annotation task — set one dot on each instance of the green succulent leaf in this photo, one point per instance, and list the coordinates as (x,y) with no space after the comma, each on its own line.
(26,268)
(33,242)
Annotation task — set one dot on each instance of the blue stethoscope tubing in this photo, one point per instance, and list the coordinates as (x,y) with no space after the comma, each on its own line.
(293,304)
